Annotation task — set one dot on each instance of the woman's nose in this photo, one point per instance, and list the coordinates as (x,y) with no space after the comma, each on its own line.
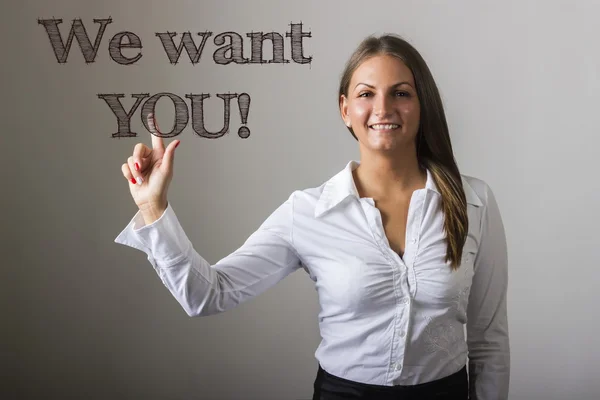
(382,107)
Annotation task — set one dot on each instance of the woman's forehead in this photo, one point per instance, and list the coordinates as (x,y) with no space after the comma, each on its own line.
(380,69)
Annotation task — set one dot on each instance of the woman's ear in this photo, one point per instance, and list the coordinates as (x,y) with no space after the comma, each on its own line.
(344,111)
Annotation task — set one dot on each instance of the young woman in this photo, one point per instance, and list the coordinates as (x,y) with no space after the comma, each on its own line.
(403,249)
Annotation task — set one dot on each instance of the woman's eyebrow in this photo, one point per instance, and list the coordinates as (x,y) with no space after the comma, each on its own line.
(373,87)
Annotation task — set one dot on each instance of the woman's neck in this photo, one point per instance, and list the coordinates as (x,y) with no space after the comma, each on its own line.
(380,176)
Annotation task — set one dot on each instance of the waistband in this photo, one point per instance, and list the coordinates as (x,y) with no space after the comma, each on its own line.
(455,386)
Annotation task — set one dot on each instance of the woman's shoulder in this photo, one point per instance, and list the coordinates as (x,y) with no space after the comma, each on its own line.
(476,189)
(306,200)
(321,197)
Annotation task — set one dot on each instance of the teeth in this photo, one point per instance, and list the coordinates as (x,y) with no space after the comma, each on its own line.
(385,126)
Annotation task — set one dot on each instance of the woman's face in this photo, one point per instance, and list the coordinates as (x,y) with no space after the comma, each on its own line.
(382,106)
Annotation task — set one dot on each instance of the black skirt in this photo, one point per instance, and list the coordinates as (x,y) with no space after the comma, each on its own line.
(330,387)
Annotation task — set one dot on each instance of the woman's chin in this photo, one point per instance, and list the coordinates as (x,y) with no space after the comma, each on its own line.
(386,140)
(383,144)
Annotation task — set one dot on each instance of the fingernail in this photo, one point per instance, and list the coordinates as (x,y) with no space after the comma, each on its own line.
(140,180)
(177,144)
(133,180)
(137,166)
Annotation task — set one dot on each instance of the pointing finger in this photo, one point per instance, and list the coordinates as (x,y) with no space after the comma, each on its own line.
(157,141)
(170,154)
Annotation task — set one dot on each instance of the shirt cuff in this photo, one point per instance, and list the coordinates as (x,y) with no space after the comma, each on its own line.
(163,240)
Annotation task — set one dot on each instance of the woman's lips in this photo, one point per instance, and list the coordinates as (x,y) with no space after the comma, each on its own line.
(384,127)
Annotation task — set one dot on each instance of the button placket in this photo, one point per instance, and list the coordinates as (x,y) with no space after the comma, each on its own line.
(400,282)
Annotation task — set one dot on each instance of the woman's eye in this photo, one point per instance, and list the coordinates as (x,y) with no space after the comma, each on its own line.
(364,94)
(402,94)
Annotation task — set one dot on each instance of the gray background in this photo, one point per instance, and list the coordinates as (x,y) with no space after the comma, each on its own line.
(85,318)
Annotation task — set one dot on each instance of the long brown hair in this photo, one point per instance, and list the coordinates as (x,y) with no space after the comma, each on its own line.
(434,149)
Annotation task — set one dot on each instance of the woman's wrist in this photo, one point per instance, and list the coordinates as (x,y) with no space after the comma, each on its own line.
(153,211)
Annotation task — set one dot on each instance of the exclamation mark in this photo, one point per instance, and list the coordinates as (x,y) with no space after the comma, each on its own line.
(244,104)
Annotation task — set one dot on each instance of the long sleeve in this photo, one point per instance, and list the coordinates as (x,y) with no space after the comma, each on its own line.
(265,258)
(487,323)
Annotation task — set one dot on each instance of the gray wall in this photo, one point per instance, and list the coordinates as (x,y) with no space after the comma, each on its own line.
(85,318)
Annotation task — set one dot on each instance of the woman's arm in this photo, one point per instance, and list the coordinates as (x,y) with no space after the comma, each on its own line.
(487,326)
(266,257)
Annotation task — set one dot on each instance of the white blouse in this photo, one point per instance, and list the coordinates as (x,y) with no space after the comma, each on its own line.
(384,319)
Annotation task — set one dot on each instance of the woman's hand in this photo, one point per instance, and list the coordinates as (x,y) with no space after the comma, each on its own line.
(149,172)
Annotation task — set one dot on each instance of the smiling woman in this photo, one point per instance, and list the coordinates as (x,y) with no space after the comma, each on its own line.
(382,105)
(390,102)
(403,249)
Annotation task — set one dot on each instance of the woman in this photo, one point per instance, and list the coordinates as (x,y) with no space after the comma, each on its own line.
(403,249)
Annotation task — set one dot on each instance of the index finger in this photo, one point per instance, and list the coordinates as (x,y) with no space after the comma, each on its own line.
(157,141)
